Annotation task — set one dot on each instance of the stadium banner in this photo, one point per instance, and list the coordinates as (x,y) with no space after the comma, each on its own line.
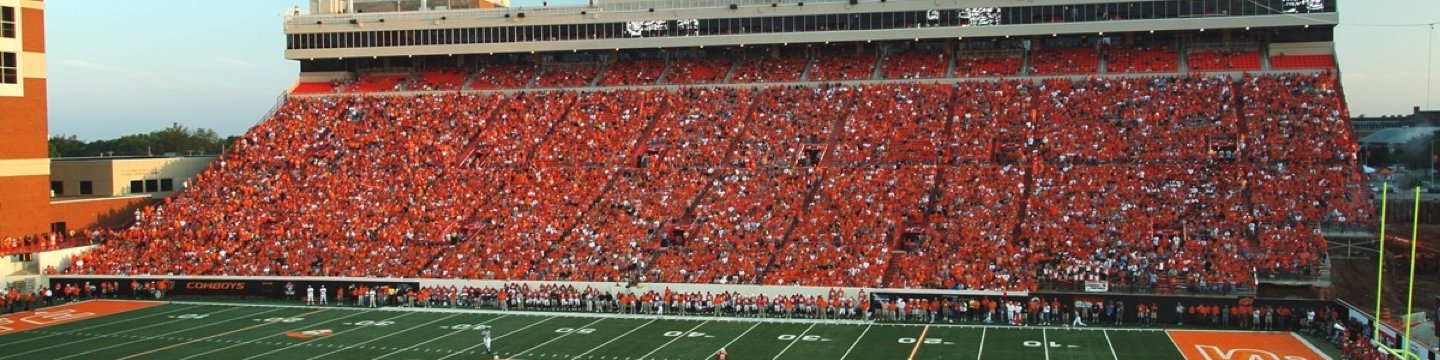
(219,286)
(1097,286)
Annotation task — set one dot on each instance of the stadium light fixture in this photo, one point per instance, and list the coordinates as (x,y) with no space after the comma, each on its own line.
(1247,28)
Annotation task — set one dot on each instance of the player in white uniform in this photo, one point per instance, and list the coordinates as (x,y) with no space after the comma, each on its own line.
(485,332)
(310,295)
(324,298)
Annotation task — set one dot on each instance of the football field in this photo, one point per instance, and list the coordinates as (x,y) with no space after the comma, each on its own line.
(234,331)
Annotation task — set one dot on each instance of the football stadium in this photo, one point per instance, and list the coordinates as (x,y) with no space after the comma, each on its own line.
(743,179)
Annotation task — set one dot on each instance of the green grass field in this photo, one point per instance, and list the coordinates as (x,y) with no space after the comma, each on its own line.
(224,331)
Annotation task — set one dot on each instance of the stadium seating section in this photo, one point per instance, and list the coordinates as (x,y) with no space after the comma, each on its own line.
(974,185)
(915,64)
(1126,60)
(439,79)
(987,65)
(368,83)
(1224,59)
(315,88)
(762,69)
(837,66)
(1302,61)
(632,72)
(1083,60)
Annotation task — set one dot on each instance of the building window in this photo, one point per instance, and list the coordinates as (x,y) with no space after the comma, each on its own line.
(57,187)
(9,68)
(152,186)
(7,22)
(137,187)
(167,184)
(87,188)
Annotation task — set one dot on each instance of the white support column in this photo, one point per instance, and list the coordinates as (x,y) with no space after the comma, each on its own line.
(424,5)
(349,6)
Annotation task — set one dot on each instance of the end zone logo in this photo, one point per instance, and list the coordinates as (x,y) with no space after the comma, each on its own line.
(1212,352)
(309,334)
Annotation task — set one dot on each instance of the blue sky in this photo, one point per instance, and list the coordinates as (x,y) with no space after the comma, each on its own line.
(123,67)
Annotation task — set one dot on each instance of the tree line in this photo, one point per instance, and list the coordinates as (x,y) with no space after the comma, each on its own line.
(176,139)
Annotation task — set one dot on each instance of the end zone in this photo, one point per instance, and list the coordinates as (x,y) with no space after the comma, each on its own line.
(41,318)
(1243,345)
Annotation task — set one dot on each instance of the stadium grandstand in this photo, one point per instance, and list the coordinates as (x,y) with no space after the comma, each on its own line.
(850,152)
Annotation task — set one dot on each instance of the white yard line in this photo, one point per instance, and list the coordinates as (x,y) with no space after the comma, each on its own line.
(263,337)
(393,333)
(1045,343)
(792,342)
(667,343)
(1177,345)
(440,337)
(100,326)
(332,336)
(857,342)
(261,324)
(980,352)
(732,341)
(462,351)
(71,343)
(1112,345)
(918,341)
(577,357)
(562,336)
(168,333)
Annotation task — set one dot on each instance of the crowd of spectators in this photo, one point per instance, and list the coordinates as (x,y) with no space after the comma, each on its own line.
(503,76)
(915,64)
(836,66)
(51,241)
(703,70)
(567,298)
(632,72)
(767,69)
(566,76)
(1054,182)
(439,79)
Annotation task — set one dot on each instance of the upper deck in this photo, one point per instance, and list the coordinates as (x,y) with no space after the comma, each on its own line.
(641,24)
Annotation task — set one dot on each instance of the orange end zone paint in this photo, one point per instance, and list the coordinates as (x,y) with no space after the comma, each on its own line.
(30,320)
(1238,345)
